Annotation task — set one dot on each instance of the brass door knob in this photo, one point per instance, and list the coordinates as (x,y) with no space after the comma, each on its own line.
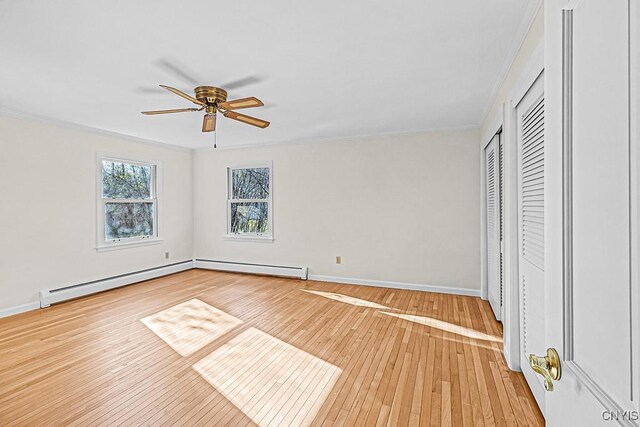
(548,366)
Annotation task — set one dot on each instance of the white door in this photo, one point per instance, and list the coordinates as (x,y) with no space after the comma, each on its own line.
(530,121)
(493,203)
(592,218)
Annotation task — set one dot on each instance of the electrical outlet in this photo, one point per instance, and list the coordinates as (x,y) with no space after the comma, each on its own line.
(166,255)
(338,259)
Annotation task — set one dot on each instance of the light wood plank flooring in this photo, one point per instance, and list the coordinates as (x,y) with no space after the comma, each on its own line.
(210,348)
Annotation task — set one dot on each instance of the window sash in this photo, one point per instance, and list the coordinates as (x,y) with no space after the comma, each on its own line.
(230,193)
(129,200)
(249,200)
(152,167)
(237,201)
(153,202)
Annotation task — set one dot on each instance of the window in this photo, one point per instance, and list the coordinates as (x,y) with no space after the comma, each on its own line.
(249,211)
(128,204)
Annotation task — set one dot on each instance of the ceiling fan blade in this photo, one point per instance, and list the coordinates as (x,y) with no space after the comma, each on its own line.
(150,89)
(209,123)
(177,110)
(182,94)
(241,82)
(169,65)
(237,104)
(246,119)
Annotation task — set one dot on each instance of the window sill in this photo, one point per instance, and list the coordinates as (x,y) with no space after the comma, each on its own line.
(240,238)
(113,246)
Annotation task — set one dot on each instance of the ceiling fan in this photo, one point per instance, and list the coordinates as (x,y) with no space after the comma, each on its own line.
(213,99)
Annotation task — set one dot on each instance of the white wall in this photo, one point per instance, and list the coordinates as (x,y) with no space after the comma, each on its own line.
(48,208)
(396,208)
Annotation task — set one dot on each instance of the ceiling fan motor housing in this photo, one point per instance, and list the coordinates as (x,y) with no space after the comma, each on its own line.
(210,95)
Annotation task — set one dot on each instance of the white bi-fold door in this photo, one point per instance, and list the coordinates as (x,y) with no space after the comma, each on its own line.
(530,125)
(494,218)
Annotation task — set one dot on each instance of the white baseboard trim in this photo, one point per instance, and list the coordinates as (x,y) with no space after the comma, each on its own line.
(397,285)
(10,311)
(52,296)
(238,267)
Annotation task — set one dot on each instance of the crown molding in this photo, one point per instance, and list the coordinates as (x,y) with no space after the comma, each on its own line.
(304,141)
(525,26)
(102,132)
(83,128)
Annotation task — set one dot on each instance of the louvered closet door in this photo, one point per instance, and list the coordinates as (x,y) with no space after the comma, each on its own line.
(501,200)
(530,144)
(493,215)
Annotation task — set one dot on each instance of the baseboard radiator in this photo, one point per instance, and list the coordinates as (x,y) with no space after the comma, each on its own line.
(52,296)
(239,267)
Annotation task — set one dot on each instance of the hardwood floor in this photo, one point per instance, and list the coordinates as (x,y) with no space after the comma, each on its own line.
(210,348)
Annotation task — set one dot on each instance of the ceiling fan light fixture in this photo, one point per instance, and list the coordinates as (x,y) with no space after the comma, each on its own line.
(209,123)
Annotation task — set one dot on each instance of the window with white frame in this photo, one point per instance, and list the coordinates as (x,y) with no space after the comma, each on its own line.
(128,211)
(249,208)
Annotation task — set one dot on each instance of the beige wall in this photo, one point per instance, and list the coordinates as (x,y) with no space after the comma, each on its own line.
(48,209)
(395,208)
(402,209)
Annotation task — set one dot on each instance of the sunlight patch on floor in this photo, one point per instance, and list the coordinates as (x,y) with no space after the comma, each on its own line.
(270,381)
(474,343)
(446,326)
(189,326)
(347,299)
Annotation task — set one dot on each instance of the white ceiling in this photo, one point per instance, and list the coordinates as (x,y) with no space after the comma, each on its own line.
(324,69)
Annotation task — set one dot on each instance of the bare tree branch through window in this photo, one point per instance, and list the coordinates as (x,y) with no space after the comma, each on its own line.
(249,201)
(129,200)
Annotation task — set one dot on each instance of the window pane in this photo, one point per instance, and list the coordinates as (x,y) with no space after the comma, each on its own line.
(125,181)
(249,218)
(250,183)
(124,220)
